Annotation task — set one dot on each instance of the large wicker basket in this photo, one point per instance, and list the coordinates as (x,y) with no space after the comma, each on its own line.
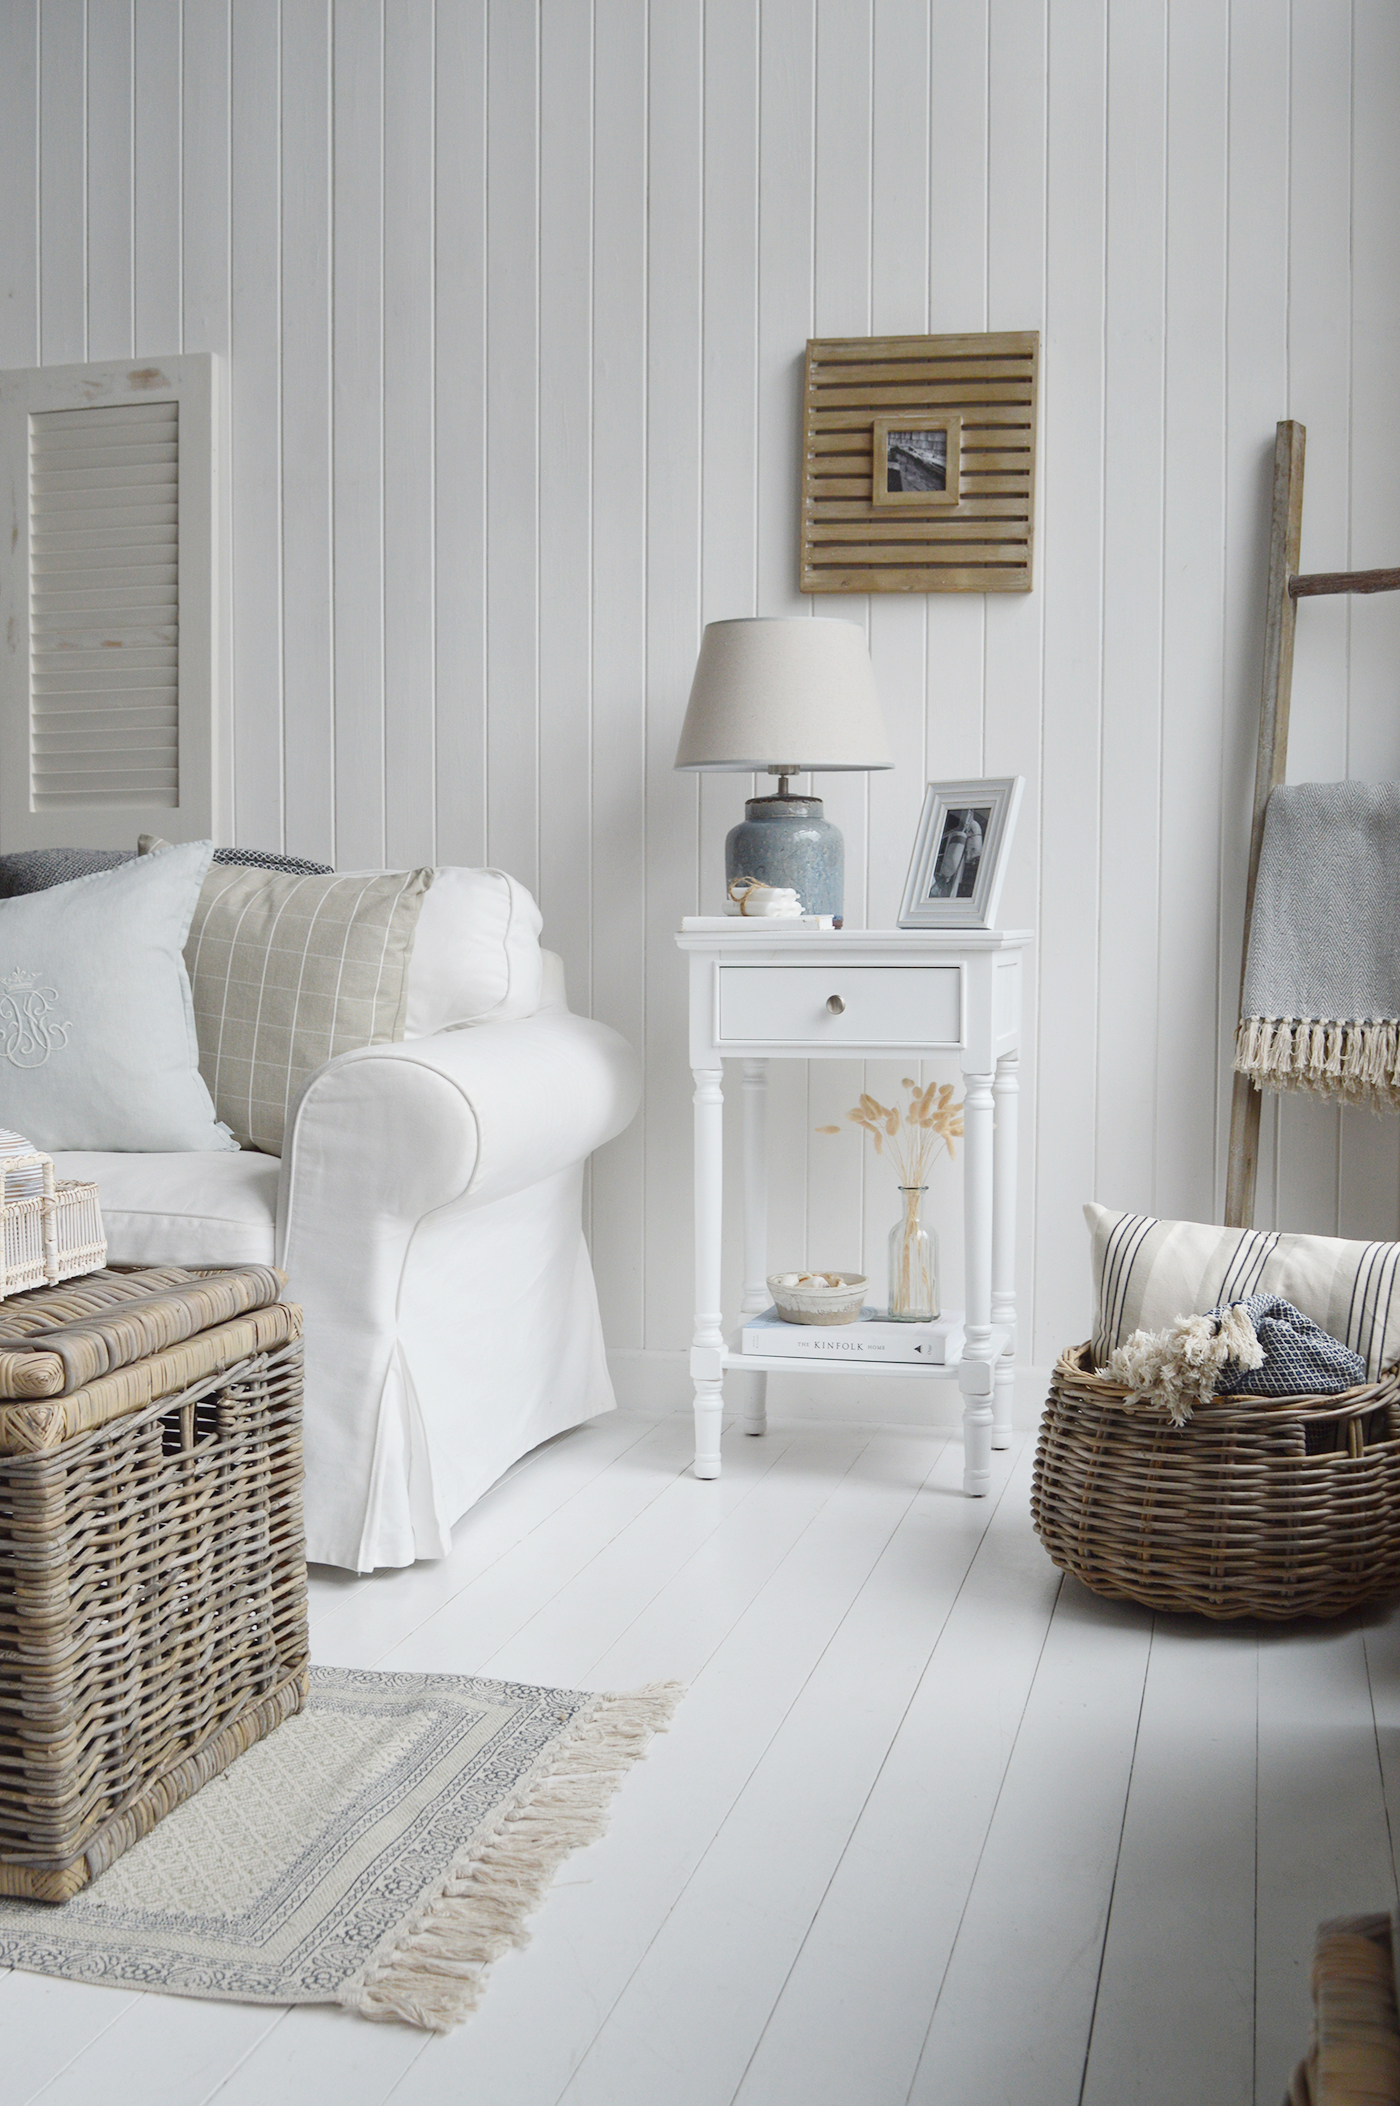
(152,1592)
(1268,1507)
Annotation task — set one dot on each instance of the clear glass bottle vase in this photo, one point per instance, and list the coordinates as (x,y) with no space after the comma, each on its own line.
(913,1262)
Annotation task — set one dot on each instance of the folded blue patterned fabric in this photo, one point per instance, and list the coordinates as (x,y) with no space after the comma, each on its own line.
(1300,1358)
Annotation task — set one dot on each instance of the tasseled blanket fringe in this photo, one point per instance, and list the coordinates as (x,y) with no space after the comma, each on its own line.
(1354,1063)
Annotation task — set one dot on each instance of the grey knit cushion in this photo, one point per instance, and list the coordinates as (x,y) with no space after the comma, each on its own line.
(35,869)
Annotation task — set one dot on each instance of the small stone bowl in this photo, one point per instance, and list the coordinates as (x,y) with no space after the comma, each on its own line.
(839,1298)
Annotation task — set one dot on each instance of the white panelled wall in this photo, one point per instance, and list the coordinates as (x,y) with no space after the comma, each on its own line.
(514,299)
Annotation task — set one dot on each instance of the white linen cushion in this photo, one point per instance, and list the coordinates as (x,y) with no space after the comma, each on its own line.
(97,1034)
(476,954)
(195,1208)
(1149,1272)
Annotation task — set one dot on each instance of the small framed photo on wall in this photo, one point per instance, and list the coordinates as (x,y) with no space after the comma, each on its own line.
(960,852)
(917,461)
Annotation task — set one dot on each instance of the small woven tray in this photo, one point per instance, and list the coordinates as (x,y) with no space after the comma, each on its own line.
(1269,1507)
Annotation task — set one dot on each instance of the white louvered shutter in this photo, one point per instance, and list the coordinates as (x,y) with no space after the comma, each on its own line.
(108,604)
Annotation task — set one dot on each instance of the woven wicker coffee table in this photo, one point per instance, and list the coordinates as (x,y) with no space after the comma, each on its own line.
(152,1559)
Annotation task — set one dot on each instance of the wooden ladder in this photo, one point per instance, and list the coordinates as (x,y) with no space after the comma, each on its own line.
(1286,587)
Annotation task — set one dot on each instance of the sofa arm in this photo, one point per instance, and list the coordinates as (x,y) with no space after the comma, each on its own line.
(471,1114)
(392,1149)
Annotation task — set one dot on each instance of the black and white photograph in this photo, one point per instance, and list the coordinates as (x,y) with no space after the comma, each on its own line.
(916,460)
(960,851)
(960,854)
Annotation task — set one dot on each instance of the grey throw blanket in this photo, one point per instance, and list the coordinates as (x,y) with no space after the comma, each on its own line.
(1321,1007)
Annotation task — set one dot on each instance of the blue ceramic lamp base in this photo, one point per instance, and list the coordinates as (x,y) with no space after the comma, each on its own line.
(786,841)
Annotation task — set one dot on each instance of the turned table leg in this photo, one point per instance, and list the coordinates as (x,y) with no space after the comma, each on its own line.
(975,1371)
(754,1400)
(708,1343)
(1006,1090)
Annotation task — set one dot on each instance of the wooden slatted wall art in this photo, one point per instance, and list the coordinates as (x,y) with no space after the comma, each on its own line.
(860,531)
(108,604)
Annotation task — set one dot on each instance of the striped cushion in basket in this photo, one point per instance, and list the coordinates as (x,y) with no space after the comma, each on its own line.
(1148,1272)
(286,972)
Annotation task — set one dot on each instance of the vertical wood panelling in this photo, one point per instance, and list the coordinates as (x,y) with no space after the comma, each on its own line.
(842,296)
(308,634)
(955,299)
(255,383)
(1135,335)
(675,133)
(618,621)
(786,266)
(512,477)
(357,355)
(62,229)
(1256,218)
(1071,572)
(1318,374)
(19,173)
(514,297)
(1370,1179)
(459,366)
(156,324)
(1016,230)
(409,793)
(1193,541)
(110,259)
(567,296)
(728,488)
(206,280)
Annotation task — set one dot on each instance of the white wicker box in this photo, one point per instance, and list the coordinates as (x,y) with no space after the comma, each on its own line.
(53,1234)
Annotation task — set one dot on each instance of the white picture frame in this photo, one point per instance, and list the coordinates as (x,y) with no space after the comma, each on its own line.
(960,852)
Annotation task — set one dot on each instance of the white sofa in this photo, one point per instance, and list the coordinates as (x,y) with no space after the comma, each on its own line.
(427,1208)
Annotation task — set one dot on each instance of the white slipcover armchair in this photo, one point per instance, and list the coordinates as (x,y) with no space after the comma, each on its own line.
(427,1208)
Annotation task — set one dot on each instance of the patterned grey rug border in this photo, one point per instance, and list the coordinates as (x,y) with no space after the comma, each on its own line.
(436,1936)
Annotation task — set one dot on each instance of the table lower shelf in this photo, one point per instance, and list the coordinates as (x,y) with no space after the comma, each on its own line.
(734,1356)
(801,1364)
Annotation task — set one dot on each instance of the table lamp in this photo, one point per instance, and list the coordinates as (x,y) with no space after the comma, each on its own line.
(785,694)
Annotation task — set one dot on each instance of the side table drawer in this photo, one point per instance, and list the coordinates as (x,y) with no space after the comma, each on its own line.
(841,1005)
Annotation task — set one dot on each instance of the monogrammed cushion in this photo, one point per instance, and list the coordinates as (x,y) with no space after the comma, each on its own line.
(1149,1272)
(97,1039)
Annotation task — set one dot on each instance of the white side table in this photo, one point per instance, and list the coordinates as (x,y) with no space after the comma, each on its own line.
(759,992)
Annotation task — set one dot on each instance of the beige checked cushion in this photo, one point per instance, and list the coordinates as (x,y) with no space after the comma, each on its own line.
(1149,1272)
(286,972)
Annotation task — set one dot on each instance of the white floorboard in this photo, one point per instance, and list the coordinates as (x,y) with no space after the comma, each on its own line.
(933,1826)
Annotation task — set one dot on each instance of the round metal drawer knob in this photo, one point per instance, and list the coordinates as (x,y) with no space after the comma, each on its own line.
(835,1004)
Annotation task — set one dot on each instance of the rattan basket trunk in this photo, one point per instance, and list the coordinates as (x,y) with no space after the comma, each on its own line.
(1268,1507)
(152,1592)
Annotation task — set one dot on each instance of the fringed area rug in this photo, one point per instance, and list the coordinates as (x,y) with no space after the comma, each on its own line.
(379,1850)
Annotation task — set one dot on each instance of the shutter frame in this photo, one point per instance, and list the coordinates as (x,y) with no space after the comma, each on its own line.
(103,820)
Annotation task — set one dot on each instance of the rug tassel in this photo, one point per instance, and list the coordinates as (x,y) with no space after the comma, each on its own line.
(431,1971)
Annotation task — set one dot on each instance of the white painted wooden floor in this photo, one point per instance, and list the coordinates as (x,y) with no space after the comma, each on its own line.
(932,1825)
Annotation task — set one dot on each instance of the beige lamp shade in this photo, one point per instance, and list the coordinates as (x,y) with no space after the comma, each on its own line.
(783,692)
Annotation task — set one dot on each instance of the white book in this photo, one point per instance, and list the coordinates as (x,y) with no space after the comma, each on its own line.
(871,1337)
